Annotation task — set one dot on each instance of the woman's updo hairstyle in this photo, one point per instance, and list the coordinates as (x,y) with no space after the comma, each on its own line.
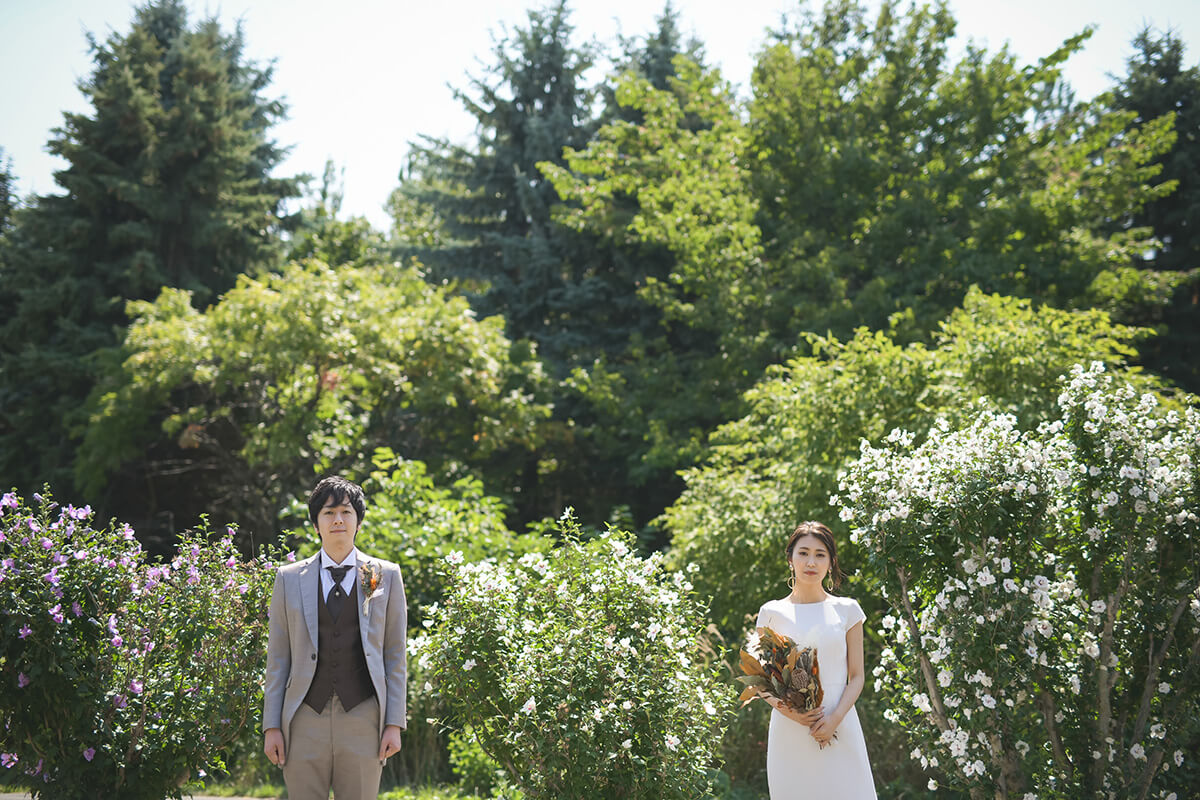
(813,528)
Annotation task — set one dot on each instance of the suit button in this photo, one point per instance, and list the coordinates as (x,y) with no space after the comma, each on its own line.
(337,633)
(314,656)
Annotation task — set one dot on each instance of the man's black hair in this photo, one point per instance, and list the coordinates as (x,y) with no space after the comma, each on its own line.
(342,492)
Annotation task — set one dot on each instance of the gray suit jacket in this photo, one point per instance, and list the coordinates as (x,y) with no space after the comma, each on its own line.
(292,640)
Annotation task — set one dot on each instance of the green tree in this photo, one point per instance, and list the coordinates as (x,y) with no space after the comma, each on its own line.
(231,410)
(492,200)
(168,183)
(668,186)
(320,235)
(1157,85)
(890,178)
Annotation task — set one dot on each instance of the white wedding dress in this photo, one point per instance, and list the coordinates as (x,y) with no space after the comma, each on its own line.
(797,767)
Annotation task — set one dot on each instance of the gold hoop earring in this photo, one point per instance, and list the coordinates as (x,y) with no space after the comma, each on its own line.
(791,581)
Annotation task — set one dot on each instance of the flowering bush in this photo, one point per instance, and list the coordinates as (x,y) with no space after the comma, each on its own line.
(122,678)
(582,672)
(1046,631)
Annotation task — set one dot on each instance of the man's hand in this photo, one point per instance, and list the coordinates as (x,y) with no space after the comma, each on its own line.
(273,746)
(390,744)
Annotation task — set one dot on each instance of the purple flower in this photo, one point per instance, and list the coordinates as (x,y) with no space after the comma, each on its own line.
(112,623)
(193,576)
(78,513)
(117,641)
(8,501)
(25,631)
(22,680)
(46,543)
(56,613)
(136,686)
(59,558)
(9,760)
(243,588)
(231,561)
(80,555)
(90,753)
(119,701)
(51,577)
(8,563)
(76,609)
(291,556)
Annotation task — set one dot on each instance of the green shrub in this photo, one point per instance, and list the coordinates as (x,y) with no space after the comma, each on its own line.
(582,672)
(122,678)
(1045,594)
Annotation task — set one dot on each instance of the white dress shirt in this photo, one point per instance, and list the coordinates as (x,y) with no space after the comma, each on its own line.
(327,576)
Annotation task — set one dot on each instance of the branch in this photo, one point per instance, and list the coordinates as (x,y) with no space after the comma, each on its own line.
(1156,660)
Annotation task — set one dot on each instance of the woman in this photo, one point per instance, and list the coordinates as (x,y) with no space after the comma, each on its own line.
(804,760)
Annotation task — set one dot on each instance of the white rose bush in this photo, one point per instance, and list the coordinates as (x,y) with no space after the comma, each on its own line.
(582,672)
(1044,640)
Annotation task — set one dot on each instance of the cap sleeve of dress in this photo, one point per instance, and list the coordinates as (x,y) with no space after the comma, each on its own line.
(852,613)
(764,617)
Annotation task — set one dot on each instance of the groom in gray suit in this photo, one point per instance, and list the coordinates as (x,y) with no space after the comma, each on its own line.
(334,694)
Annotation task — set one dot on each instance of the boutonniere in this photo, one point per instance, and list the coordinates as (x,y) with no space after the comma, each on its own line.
(369,578)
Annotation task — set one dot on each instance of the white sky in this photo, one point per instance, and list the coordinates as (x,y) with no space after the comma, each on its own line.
(362,78)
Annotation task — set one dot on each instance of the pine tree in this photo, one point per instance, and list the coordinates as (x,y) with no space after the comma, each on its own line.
(495,205)
(168,183)
(1156,84)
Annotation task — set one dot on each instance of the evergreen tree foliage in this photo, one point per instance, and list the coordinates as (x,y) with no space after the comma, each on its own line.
(484,218)
(1157,85)
(8,196)
(492,200)
(320,235)
(168,183)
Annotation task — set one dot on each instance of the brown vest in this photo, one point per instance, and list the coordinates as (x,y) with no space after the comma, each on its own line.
(341,664)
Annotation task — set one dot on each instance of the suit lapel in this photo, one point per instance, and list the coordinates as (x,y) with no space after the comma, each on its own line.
(310,586)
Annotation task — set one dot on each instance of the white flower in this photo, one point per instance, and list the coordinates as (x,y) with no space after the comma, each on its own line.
(529,707)
(628,743)
(969,566)
(1005,565)
(1178,756)
(1010,585)
(597,714)
(985,577)
(1022,748)
(709,708)
(1091,648)
(1138,752)
(469,663)
(988,701)
(944,678)
(1029,796)
(1099,606)
(1158,731)
(454,557)
(1044,627)
(921,701)
(672,742)
(1164,688)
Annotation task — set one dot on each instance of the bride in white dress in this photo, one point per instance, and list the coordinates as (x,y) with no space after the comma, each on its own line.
(804,760)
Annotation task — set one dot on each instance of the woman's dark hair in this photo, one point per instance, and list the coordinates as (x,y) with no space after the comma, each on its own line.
(813,528)
(341,491)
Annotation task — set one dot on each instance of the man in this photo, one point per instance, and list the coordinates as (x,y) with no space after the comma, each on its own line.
(334,698)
